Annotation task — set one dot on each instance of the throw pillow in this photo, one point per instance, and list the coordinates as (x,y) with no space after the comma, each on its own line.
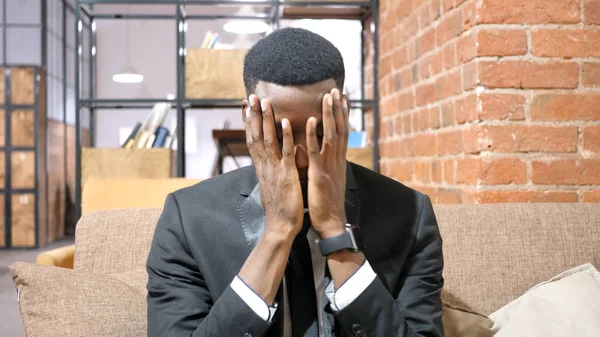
(62,302)
(461,322)
(566,305)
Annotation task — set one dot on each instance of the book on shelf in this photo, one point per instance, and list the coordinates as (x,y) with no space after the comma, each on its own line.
(151,134)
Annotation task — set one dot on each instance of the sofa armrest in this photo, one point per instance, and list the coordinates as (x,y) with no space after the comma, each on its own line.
(59,257)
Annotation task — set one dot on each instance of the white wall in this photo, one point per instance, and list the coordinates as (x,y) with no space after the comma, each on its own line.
(153,53)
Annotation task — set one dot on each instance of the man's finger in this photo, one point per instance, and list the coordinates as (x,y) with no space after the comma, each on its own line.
(269,133)
(256,128)
(329,134)
(312,143)
(287,151)
(346,127)
(339,119)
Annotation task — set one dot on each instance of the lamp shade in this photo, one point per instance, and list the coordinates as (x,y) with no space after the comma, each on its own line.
(246,26)
(128,75)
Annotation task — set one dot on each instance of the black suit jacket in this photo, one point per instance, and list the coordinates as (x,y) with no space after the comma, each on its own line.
(206,232)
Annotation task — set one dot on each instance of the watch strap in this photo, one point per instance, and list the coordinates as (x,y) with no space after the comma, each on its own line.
(351,239)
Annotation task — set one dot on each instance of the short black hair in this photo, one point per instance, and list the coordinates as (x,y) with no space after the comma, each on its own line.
(293,56)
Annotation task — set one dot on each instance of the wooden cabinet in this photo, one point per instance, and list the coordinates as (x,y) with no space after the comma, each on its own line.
(23,163)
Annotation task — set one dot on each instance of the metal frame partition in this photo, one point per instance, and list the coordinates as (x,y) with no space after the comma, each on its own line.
(353,9)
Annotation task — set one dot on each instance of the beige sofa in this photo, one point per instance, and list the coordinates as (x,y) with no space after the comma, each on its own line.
(493,253)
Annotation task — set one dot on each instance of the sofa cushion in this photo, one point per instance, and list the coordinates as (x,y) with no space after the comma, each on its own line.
(494,252)
(566,305)
(461,322)
(63,302)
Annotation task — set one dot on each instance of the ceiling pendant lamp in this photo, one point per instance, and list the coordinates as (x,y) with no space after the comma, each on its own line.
(127,73)
(246,26)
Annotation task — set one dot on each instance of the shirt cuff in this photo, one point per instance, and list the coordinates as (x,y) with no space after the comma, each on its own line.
(351,289)
(258,305)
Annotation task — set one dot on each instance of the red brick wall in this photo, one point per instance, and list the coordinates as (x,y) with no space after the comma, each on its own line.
(491,100)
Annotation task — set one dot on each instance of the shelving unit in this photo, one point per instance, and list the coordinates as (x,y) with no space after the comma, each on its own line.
(274,11)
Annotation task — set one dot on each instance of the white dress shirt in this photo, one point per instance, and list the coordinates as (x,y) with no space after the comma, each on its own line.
(338,300)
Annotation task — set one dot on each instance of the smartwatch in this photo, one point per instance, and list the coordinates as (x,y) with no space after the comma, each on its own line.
(351,240)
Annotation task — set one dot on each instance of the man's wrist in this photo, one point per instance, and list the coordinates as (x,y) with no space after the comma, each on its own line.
(330,230)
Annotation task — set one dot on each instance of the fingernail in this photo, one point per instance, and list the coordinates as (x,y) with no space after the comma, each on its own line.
(285,123)
(248,112)
(263,104)
(336,93)
(329,100)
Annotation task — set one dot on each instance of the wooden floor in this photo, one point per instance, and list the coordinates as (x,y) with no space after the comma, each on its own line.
(10,318)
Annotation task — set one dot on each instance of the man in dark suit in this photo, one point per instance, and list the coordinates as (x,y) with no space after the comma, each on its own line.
(301,243)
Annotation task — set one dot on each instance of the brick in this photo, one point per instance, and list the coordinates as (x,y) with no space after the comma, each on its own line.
(389,106)
(566,171)
(425,145)
(431,65)
(591,12)
(532,11)
(565,43)
(398,120)
(436,171)
(448,171)
(591,139)
(466,109)
(401,170)
(422,171)
(469,15)
(449,143)
(400,58)
(467,47)
(503,171)
(406,147)
(591,74)
(434,117)
(407,124)
(528,74)
(386,129)
(405,101)
(423,16)
(501,42)
(414,73)
(448,113)
(449,85)
(421,119)
(565,107)
(428,191)
(449,53)
(528,138)
(403,9)
(470,71)
(426,42)
(385,66)
(501,107)
(448,196)
(450,26)
(425,94)
(447,5)
(591,196)
(512,196)
(467,170)
(435,10)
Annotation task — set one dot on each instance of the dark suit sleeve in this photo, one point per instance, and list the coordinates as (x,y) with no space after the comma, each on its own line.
(417,311)
(179,303)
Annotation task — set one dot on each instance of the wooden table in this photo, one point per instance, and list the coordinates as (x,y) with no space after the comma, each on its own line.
(229,143)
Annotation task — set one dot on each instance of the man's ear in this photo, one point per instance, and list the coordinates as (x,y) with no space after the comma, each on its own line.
(245,105)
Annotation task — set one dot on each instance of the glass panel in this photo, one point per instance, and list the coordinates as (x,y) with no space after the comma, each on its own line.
(22,128)
(23,169)
(58,18)
(2,218)
(23,220)
(85,79)
(70,22)
(70,68)
(85,44)
(23,45)
(58,51)
(2,140)
(23,11)
(1,44)
(1,10)
(70,118)
(50,54)
(60,106)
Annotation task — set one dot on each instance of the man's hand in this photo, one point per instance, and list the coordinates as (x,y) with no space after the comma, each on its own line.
(280,192)
(327,167)
(327,182)
(281,197)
